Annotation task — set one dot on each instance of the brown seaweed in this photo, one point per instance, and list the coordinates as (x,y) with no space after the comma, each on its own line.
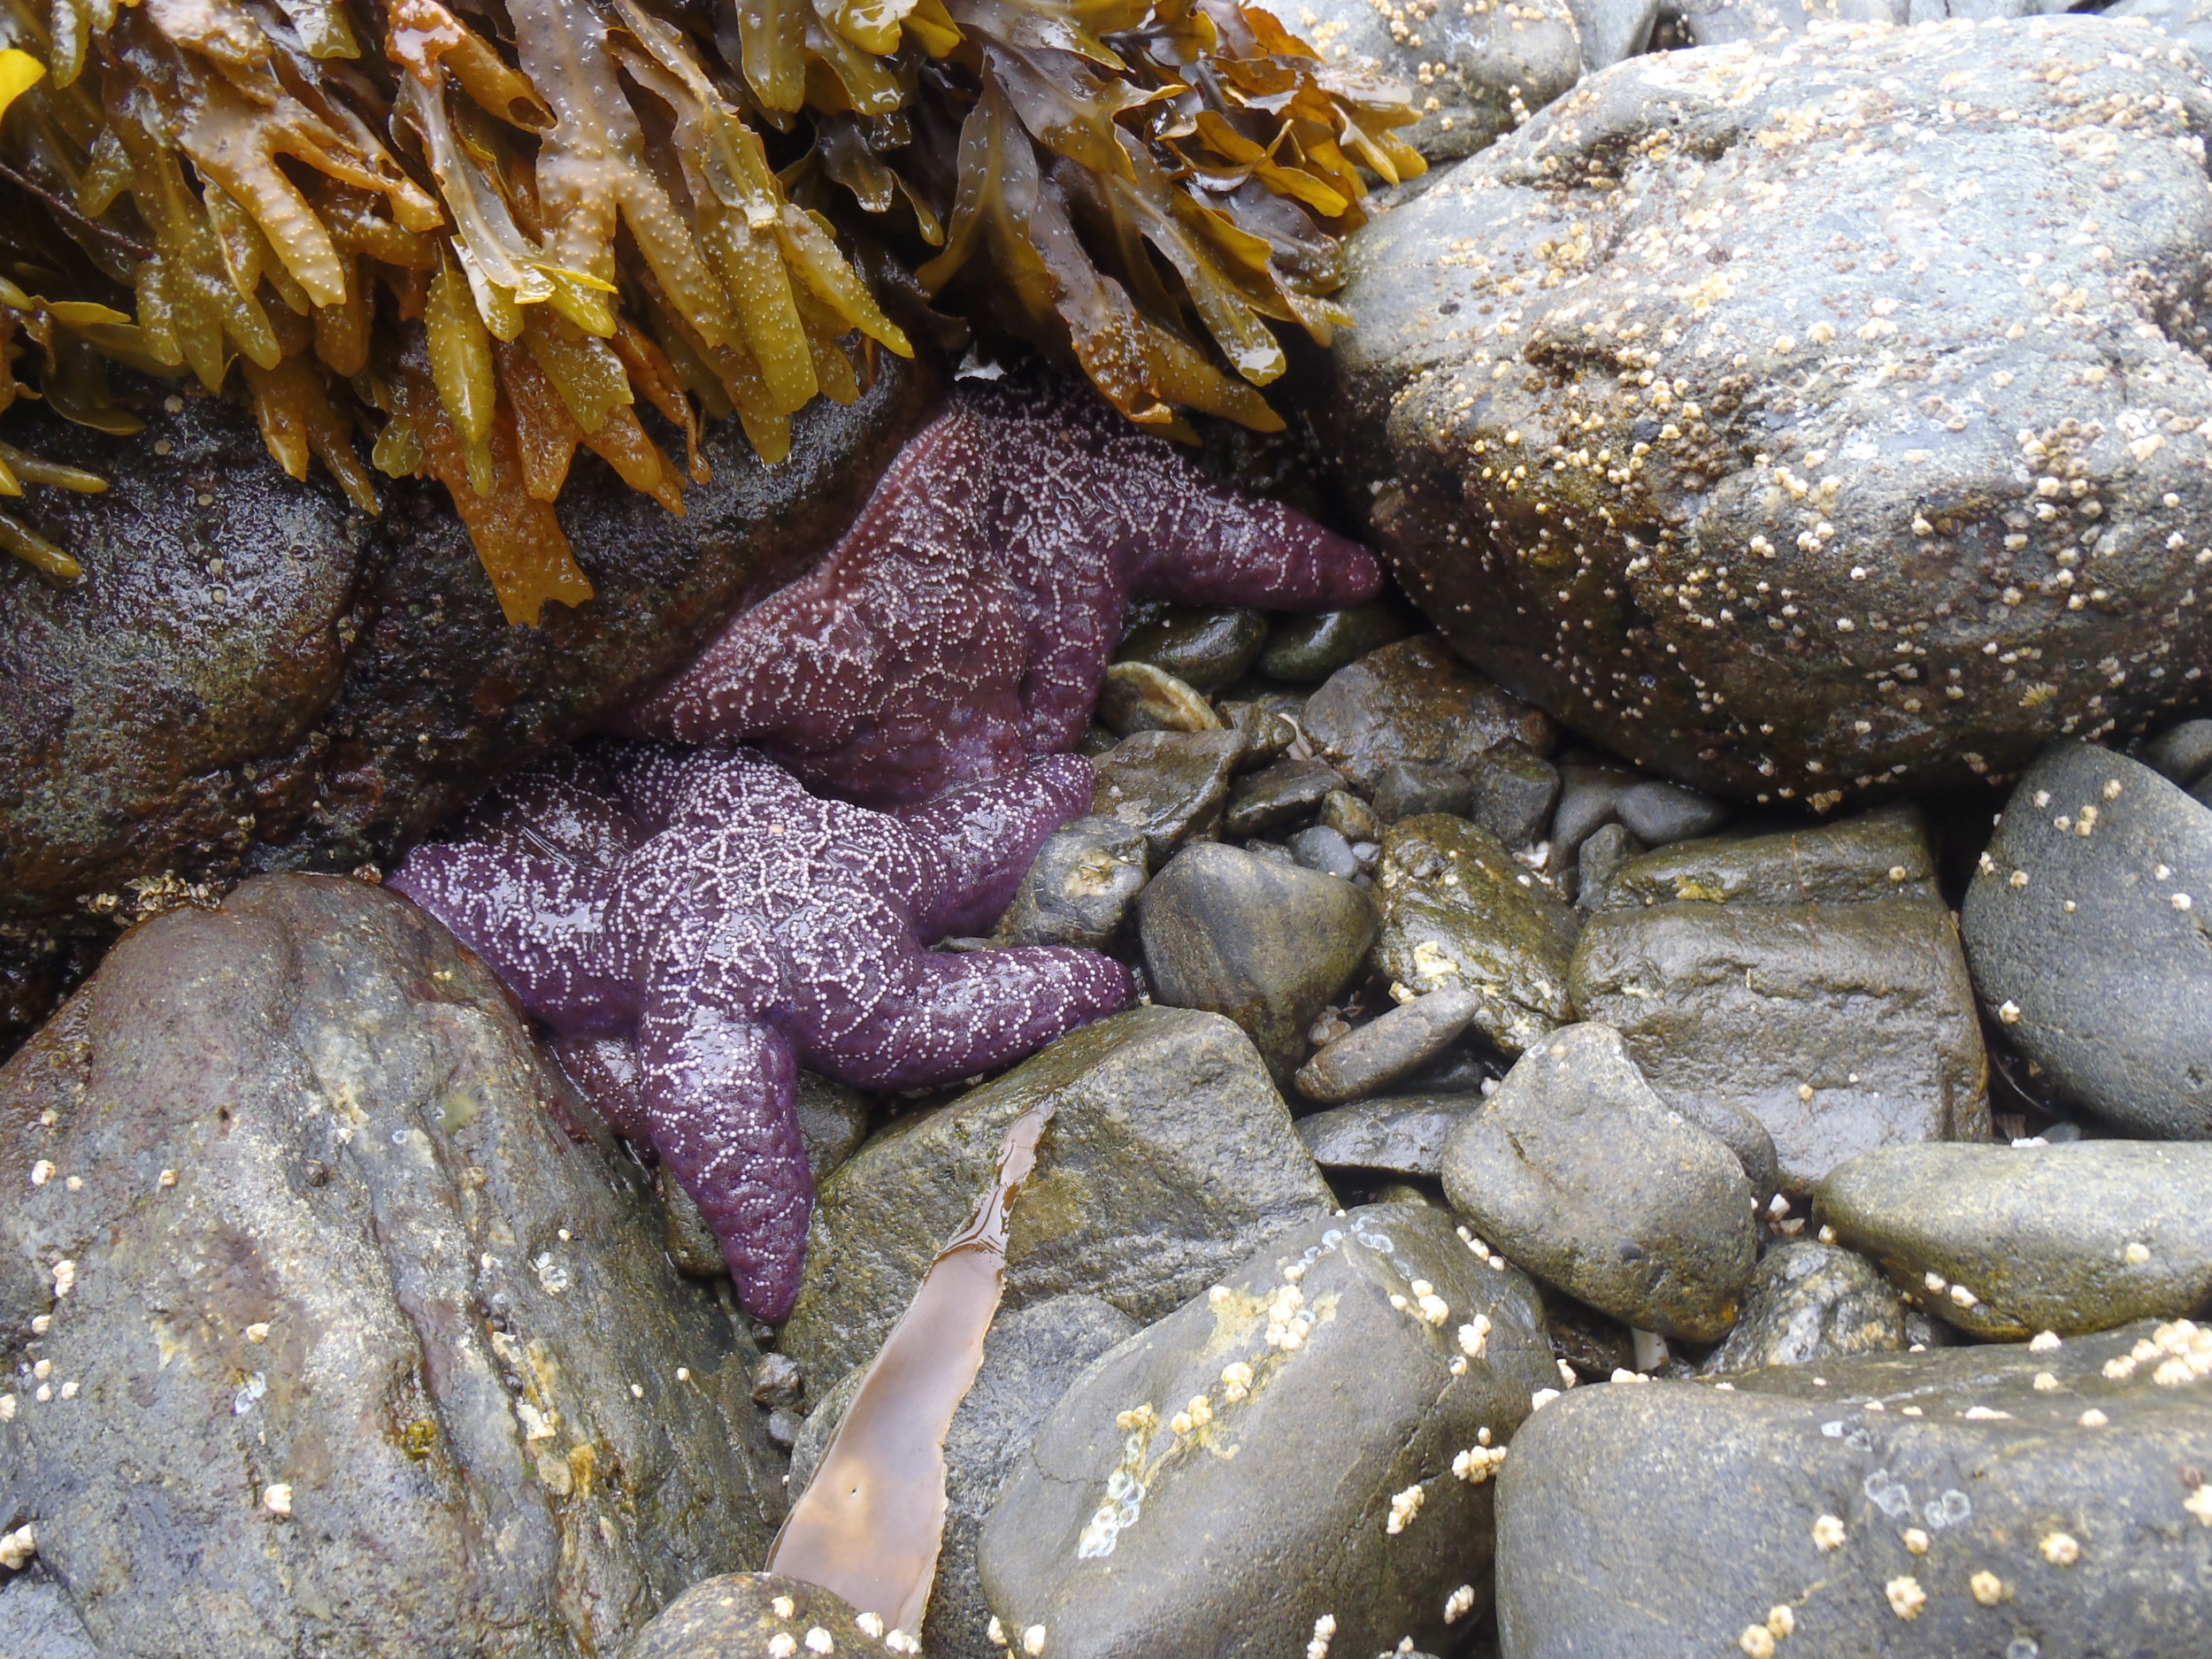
(871,1522)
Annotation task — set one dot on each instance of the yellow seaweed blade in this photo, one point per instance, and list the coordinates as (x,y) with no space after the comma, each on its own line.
(19,72)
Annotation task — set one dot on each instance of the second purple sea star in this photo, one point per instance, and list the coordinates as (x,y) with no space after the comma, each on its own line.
(695,924)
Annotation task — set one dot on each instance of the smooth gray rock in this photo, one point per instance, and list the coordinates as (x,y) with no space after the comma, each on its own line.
(1460,910)
(1326,850)
(1725,22)
(1612,30)
(1350,1414)
(1170,1157)
(1266,943)
(1407,789)
(1666,1520)
(1029,1358)
(1170,786)
(1079,886)
(1880,854)
(1474,74)
(1840,1027)
(1577,1171)
(1588,798)
(1307,650)
(1685,194)
(1511,793)
(1397,1041)
(356,1287)
(737,1613)
(1807,1302)
(1401,1135)
(2025,1239)
(2180,754)
(1416,702)
(1599,862)
(1659,814)
(2090,950)
(1204,646)
(1288,791)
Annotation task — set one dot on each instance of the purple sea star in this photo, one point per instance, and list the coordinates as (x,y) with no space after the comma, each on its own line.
(964,623)
(695,924)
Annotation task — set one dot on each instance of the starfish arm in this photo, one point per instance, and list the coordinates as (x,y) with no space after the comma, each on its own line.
(979,841)
(949,1016)
(1203,544)
(605,1073)
(564,806)
(533,918)
(720,1090)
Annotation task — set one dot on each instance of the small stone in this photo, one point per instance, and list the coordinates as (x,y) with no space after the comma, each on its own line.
(778,1381)
(1326,850)
(1262,725)
(1205,647)
(1079,886)
(750,1613)
(1659,814)
(1404,789)
(1170,787)
(1511,793)
(1350,817)
(2181,754)
(1606,852)
(1397,1043)
(1401,1136)
(1288,791)
(1808,1302)
(1307,650)
(783,1427)
(1416,702)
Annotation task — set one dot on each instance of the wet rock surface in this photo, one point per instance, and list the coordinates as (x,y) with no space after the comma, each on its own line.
(319,1280)
(1415,702)
(1403,1136)
(1769,569)
(1204,646)
(1973,1512)
(1880,855)
(1577,1172)
(1079,889)
(2005,1241)
(1458,910)
(746,1612)
(318,689)
(1307,650)
(2085,925)
(1808,1302)
(1029,1357)
(1395,1042)
(1170,1156)
(1840,1027)
(1262,940)
(1169,786)
(1327,1361)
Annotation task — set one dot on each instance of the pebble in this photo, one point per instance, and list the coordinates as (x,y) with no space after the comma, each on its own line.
(1326,849)
(2180,754)
(1268,944)
(2005,1241)
(1658,813)
(1512,793)
(1414,701)
(1578,1173)
(1204,646)
(763,1613)
(1350,817)
(1602,857)
(1397,1043)
(1288,791)
(1407,789)
(1307,650)
(1170,786)
(1589,797)
(1403,1136)
(1079,886)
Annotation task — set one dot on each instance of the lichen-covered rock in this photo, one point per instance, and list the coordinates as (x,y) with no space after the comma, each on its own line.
(1987,1501)
(1474,70)
(1170,1156)
(2005,1241)
(1722,413)
(1414,701)
(331,1328)
(1840,1027)
(1808,1301)
(1302,1454)
(2086,925)
(1458,910)
(250,674)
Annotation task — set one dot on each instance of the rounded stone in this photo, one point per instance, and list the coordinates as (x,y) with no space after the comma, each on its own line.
(1659,813)
(1078,887)
(1205,647)
(1307,650)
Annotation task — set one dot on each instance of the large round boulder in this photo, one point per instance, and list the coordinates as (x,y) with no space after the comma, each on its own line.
(1810,420)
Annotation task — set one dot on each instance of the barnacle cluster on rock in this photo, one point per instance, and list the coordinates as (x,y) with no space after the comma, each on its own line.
(476,235)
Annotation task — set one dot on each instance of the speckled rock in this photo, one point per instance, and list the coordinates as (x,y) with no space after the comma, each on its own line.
(1458,910)
(1880,855)
(1867,426)
(1473,73)
(1414,700)
(1170,786)
(1723,22)
(355,1285)
(2188,21)
(1203,646)
(1327,1362)
(1999,1518)
(2005,1241)
(741,1613)
(1397,1042)
(1288,791)
(323,688)
(1079,885)
(1807,1302)
(2086,925)
(1840,1027)
(1268,943)
(1578,1173)
(1401,1135)
(1307,650)
(1170,1157)
(1029,1358)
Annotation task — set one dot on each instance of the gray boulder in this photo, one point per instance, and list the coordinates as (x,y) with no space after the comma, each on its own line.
(1168,1157)
(1577,1172)
(336,1322)
(1985,1501)
(1302,1454)
(2086,927)
(1647,455)
(2005,1241)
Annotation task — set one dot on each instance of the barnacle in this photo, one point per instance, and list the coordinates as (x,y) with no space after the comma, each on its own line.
(477,233)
